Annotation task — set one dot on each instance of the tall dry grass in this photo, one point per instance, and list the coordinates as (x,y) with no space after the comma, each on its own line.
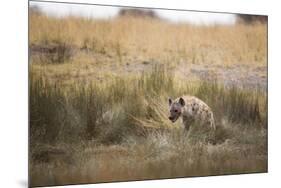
(94,120)
(127,120)
(127,100)
(155,39)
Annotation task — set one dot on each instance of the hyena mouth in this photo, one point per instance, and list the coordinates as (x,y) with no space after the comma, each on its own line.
(173,120)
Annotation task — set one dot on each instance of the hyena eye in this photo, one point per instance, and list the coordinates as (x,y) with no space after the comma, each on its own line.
(176,110)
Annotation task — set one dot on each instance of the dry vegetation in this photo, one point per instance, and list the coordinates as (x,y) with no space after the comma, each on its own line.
(132,44)
(98,99)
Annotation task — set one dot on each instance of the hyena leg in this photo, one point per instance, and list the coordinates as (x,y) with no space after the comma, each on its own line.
(212,122)
(212,133)
(187,123)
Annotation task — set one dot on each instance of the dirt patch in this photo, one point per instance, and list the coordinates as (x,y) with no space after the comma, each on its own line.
(241,76)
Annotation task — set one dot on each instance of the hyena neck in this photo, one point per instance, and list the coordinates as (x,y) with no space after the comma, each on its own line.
(184,113)
(183,116)
(183,109)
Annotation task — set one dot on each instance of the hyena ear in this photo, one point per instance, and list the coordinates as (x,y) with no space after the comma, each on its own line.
(170,101)
(181,101)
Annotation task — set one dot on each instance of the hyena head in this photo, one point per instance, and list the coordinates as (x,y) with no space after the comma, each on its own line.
(175,109)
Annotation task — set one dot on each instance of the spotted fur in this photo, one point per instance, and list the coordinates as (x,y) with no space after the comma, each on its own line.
(191,109)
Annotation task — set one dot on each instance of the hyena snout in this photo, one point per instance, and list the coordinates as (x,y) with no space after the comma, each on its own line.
(173,118)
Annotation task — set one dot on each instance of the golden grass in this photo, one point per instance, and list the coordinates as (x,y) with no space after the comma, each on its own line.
(118,130)
(101,115)
(152,39)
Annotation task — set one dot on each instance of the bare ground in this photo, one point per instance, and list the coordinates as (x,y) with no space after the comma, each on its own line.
(236,74)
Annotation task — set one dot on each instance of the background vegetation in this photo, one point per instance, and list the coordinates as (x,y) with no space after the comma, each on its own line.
(98,98)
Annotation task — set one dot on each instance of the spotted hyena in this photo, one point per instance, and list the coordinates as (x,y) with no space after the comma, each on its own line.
(191,109)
